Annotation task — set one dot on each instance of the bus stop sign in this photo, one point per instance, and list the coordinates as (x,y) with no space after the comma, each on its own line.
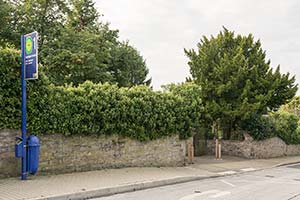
(31,55)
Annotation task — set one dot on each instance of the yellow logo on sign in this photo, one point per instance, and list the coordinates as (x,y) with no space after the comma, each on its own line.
(29,45)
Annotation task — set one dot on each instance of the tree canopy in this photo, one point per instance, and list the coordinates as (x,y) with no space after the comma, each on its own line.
(127,66)
(74,45)
(236,80)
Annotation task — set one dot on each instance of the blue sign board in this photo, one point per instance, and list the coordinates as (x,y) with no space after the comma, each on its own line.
(30,51)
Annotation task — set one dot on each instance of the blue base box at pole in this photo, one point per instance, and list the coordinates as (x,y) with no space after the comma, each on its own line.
(33,153)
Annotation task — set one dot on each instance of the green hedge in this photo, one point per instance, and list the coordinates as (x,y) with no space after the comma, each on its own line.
(10,88)
(136,112)
(260,127)
(287,127)
(281,124)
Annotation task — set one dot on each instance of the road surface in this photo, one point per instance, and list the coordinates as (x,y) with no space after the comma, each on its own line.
(282,183)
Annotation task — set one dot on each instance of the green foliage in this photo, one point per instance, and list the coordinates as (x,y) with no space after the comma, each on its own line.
(46,17)
(74,45)
(127,66)
(193,106)
(292,107)
(287,127)
(105,109)
(5,18)
(281,124)
(10,90)
(83,15)
(236,80)
(260,127)
(79,56)
(136,112)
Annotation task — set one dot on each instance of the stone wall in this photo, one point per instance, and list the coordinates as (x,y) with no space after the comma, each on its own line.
(61,154)
(249,148)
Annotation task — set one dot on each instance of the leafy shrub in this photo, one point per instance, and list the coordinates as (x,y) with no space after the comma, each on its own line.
(191,94)
(292,107)
(281,124)
(287,127)
(10,88)
(260,127)
(136,112)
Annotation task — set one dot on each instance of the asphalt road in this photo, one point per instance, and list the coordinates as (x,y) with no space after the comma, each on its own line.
(282,183)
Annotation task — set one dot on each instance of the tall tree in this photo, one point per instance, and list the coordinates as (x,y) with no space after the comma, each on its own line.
(45,16)
(128,67)
(236,79)
(74,45)
(5,19)
(89,50)
(83,15)
(79,56)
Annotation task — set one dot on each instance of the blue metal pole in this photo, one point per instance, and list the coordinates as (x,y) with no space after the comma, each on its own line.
(23,177)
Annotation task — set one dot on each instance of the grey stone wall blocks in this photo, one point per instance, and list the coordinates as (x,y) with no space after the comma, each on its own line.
(64,154)
(249,148)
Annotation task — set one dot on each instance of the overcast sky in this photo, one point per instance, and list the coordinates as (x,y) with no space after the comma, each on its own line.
(160,29)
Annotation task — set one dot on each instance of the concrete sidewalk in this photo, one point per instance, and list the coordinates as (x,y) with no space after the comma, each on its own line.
(107,182)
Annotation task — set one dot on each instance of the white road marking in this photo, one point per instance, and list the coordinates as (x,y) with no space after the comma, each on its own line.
(226,182)
(248,169)
(220,194)
(192,168)
(192,196)
(227,172)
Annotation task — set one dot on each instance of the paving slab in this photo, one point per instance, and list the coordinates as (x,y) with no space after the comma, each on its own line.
(107,182)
